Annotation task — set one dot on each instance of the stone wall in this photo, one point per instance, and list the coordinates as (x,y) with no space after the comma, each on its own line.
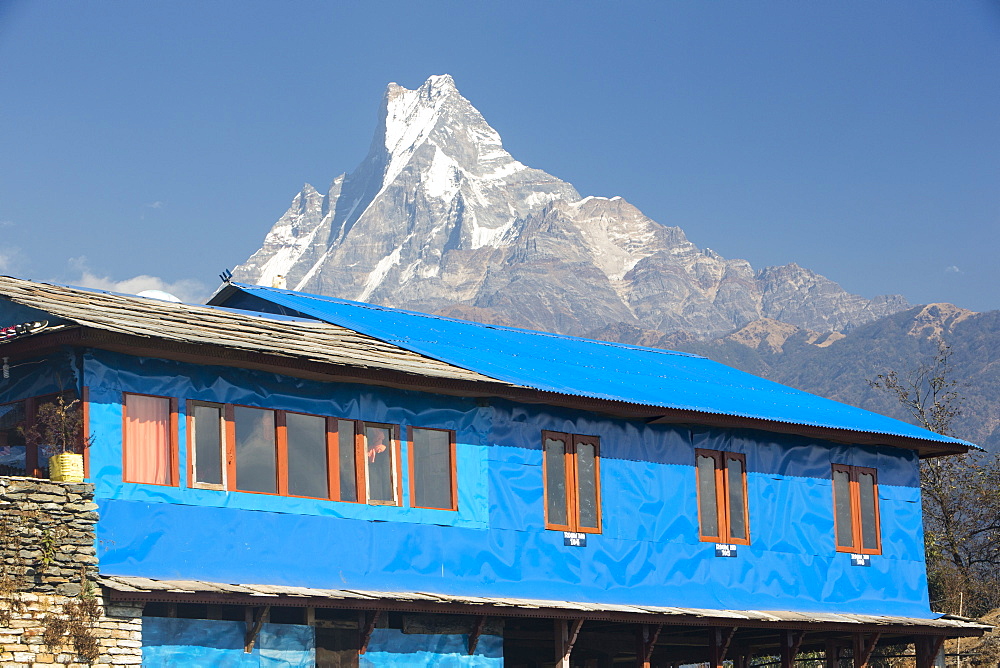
(51,607)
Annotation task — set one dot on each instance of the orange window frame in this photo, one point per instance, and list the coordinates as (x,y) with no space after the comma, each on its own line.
(224,439)
(228,455)
(360,459)
(721,501)
(280,462)
(330,452)
(854,485)
(572,482)
(453,468)
(172,436)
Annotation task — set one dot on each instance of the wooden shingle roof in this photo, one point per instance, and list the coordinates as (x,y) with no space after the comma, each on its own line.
(299,339)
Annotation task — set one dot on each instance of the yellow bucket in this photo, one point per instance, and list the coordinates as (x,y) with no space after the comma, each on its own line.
(66,467)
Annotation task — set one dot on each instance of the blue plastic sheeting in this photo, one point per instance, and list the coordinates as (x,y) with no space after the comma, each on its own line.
(110,374)
(40,376)
(496,544)
(580,367)
(390,648)
(197,643)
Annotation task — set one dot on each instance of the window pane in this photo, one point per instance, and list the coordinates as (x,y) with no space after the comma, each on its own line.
(380,467)
(432,477)
(306,455)
(147,439)
(256,451)
(586,476)
(737,495)
(348,470)
(842,502)
(869,528)
(555,481)
(208,445)
(13,453)
(708,511)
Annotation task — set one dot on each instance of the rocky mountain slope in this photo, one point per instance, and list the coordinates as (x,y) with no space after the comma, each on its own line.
(440,218)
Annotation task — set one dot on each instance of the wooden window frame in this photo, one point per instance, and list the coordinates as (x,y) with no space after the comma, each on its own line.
(224,439)
(172,436)
(280,464)
(453,472)
(333,456)
(572,482)
(31,404)
(332,462)
(854,484)
(722,486)
(360,459)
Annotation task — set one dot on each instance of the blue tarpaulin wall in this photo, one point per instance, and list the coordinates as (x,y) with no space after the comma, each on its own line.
(391,648)
(205,643)
(496,544)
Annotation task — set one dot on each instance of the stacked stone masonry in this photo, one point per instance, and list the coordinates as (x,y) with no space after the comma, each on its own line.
(48,572)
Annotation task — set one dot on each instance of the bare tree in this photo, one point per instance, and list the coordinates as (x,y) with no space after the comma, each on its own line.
(961,494)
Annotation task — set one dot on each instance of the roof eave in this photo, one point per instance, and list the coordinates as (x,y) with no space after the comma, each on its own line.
(222,355)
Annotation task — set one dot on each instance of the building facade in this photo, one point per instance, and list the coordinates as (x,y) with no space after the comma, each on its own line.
(309,481)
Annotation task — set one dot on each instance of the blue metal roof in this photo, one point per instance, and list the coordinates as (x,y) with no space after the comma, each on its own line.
(587,368)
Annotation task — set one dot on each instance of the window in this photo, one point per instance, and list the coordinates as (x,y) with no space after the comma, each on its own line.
(149,439)
(855,503)
(19,455)
(306,443)
(350,474)
(381,466)
(13,449)
(571,466)
(256,450)
(247,449)
(723,513)
(207,437)
(432,468)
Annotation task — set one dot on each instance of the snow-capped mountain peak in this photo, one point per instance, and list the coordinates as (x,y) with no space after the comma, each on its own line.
(440,217)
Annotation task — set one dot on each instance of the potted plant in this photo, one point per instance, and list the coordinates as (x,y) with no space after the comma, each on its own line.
(57,431)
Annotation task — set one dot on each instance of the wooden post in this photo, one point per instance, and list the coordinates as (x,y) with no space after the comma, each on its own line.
(477,630)
(371,619)
(927,648)
(718,643)
(253,628)
(566,635)
(790,643)
(863,648)
(831,654)
(645,643)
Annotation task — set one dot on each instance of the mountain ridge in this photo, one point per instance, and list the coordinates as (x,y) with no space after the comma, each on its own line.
(439,217)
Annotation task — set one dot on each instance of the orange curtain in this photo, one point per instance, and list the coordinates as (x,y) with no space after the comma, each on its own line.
(147,439)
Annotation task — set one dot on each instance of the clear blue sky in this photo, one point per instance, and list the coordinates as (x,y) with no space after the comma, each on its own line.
(859,139)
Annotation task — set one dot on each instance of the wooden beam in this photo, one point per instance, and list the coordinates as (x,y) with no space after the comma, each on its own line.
(831,654)
(369,628)
(863,648)
(566,635)
(790,643)
(253,628)
(718,644)
(927,648)
(646,643)
(477,630)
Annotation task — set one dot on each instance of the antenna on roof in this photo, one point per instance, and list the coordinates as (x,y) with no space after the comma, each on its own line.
(226,276)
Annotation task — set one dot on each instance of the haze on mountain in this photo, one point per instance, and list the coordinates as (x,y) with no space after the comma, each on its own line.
(440,218)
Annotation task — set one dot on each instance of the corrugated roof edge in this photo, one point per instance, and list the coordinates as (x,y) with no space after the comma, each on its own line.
(484,325)
(931,436)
